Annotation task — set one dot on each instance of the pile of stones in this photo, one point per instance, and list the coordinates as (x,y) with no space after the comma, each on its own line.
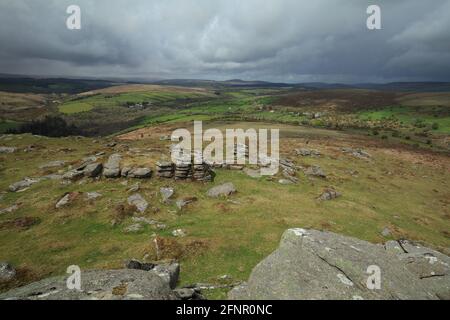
(183,171)
(202,172)
(164,169)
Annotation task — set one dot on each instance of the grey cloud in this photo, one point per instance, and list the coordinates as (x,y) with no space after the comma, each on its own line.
(277,40)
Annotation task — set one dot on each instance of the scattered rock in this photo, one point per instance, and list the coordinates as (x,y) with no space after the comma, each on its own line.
(168,272)
(7,272)
(329,194)
(23,184)
(98,285)
(307,152)
(138,201)
(179,233)
(124,172)
(135,187)
(93,196)
(137,265)
(386,232)
(189,294)
(73,175)
(223,190)
(315,171)
(358,153)
(285,181)
(311,264)
(112,166)
(7,149)
(182,203)
(140,173)
(93,170)
(53,164)
(144,220)
(133,228)
(166,194)
(67,199)
(11,209)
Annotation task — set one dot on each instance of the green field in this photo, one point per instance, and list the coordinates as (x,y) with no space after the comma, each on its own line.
(85,104)
(426,116)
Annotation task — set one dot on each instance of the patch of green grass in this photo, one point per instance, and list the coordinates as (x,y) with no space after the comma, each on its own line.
(411,115)
(103,100)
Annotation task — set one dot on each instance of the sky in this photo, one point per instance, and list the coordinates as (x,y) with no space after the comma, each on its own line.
(272,40)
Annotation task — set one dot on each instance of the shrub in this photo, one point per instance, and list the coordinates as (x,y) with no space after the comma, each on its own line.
(435,126)
(50,126)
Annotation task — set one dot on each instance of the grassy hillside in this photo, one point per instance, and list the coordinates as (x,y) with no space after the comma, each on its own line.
(402,189)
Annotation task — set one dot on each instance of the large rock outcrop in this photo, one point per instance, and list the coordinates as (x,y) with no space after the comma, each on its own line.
(311,264)
(99,285)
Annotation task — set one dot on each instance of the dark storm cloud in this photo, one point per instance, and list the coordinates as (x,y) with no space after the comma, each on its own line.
(277,40)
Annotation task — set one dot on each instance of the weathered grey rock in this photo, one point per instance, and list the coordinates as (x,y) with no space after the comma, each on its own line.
(125,171)
(7,149)
(93,170)
(137,265)
(164,169)
(315,171)
(10,209)
(189,294)
(52,177)
(386,232)
(66,199)
(138,201)
(53,164)
(140,173)
(285,181)
(166,193)
(135,187)
(144,220)
(256,174)
(133,228)
(168,272)
(93,196)
(358,153)
(179,233)
(112,166)
(23,184)
(7,272)
(182,203)
(307,152)
(329,194)
(311,264)
(99,285)
(223,190)
(73,175)
(185,293)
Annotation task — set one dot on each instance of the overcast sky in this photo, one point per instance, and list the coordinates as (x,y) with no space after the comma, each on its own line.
(273,40)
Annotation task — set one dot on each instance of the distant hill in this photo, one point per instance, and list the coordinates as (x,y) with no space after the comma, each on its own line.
(31,84)
(223,84)
(408,86)
(56,85)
